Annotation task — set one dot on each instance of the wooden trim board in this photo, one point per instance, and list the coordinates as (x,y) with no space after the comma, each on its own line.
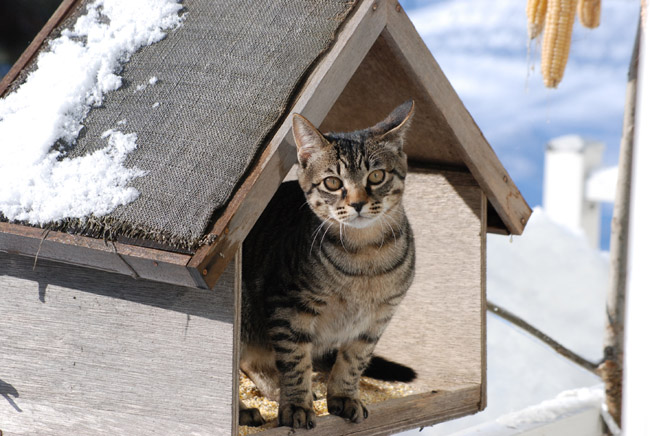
(140,262)
(397,415)
(484,229)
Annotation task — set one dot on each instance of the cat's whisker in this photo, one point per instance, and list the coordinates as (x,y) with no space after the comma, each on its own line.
(341,227)
(397,224)
(315,235)
(324,233)
(391,229)
(381,222)
(315,232)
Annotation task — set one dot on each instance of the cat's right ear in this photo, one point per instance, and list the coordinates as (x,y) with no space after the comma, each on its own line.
(309,140)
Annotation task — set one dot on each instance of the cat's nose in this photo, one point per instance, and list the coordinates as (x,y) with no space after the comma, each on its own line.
(358,206)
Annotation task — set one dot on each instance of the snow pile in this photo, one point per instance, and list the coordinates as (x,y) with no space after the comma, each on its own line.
(550,410)
(601,185)
(37,184)
(551,277)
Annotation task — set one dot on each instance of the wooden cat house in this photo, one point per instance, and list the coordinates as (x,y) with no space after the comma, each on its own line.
(130,324)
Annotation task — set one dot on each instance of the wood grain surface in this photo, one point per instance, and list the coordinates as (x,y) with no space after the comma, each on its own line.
(85,352)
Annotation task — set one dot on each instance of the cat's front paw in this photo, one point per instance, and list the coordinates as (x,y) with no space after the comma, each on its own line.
(346,407)
(293,415)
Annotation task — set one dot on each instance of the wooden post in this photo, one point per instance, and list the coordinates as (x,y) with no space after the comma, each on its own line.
(612,368)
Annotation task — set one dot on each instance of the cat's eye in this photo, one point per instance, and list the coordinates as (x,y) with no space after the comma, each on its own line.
(333,183)
(376,177)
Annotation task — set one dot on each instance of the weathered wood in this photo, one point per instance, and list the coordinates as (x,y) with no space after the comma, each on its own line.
(422,68)
(390,417)
(439,328)
(25,58)
(484,229)
(86,352)
(236,340)
(146,263)
(318,95)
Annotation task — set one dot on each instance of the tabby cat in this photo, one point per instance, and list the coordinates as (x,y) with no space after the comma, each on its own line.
(323,277)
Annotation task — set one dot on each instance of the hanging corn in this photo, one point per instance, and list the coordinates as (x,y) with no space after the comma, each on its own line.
(535,11)
(558,27)
(589,13)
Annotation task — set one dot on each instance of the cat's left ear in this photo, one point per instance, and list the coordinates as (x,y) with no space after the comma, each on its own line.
(393,128)
(309,140)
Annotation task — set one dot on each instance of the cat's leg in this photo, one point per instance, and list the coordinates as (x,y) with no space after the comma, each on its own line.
(343,384)
(258,363)
(292,348)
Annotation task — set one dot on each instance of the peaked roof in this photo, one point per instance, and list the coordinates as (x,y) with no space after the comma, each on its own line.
(222,140)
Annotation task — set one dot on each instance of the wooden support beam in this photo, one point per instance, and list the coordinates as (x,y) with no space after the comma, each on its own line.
(139,262)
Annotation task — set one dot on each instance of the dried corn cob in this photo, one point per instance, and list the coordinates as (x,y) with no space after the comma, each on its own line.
(535,11)
(589,13)
(557,39)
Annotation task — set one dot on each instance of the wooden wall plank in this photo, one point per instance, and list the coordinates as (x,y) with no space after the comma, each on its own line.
(93,353)
(315,100)
(146,263)
(477,154)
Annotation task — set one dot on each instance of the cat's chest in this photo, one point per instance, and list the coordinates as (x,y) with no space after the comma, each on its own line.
(342,320)
(352,309)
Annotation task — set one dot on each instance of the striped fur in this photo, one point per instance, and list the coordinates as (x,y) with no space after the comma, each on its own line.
(326,266)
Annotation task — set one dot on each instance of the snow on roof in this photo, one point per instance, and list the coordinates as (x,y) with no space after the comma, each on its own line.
(37,184)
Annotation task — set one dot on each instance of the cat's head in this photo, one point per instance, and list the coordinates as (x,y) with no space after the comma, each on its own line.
(353,178)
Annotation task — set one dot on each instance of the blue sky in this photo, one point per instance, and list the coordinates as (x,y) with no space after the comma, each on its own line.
(482,46)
